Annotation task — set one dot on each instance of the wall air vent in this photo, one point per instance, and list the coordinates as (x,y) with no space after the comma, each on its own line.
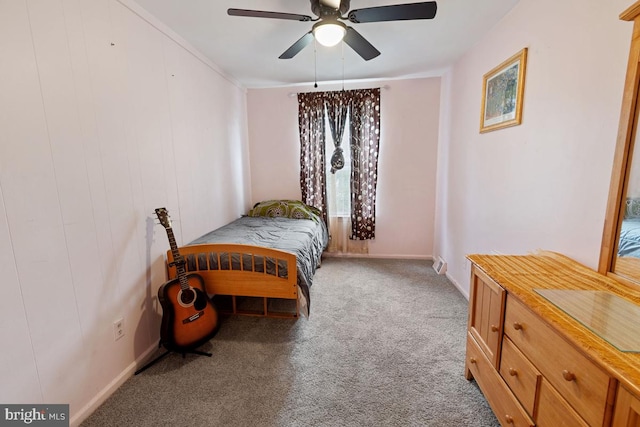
(440,266)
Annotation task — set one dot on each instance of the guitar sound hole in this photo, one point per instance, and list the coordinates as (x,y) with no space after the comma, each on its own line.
(200,302)
(187,296)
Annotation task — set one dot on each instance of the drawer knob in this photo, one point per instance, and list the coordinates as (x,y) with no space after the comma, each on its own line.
(472,360)
(508,419)
(513,372)
(517,326)
(494,328)
(568,375)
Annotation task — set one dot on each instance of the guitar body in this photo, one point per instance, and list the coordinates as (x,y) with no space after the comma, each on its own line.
(189,318)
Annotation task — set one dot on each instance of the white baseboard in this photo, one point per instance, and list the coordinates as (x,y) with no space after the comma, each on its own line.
(463,291)
(104,394)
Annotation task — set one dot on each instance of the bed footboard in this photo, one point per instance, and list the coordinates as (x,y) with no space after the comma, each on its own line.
(237,273)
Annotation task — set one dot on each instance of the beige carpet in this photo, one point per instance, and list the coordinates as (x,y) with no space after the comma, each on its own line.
(384,346)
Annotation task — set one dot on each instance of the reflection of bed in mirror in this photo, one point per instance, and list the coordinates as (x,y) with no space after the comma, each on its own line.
(628,259)
(629,245)
(629,240)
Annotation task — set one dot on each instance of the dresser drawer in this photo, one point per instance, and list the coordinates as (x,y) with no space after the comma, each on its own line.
(554,411)
(582,383)
(502,401)
(520,375)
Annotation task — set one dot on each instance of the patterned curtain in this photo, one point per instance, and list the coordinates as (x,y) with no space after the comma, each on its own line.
(364,108)
(311,127)
(365,140)
(337,107)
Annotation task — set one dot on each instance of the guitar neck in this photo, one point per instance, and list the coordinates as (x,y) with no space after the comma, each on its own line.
(172,244)
(180,264)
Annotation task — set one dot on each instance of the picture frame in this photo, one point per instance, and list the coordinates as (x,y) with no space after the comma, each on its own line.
(502,94)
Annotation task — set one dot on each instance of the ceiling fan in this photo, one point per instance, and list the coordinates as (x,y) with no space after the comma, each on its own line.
(329,31)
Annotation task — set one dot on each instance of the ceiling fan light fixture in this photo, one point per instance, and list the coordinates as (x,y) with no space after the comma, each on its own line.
(329,33)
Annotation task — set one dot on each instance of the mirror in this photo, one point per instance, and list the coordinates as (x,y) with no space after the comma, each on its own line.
(626,258)
(620,251)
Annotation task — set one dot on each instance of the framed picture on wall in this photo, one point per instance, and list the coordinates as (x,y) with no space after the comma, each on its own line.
(502,92)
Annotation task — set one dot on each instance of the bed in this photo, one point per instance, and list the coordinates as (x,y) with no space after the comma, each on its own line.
(627,262)
(263,263)
(629,244)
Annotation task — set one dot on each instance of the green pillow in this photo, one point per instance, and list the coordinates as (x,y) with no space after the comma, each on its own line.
(285,208)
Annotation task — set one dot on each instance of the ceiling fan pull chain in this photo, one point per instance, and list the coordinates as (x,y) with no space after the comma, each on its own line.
(343,65)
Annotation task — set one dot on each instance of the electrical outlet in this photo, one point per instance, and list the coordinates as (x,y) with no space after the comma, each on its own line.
(118,329)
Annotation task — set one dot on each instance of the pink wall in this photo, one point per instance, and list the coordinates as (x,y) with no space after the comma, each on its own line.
(543,184)
(407,165)
(105,115)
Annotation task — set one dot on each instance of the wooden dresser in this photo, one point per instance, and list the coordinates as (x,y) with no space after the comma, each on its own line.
(536,364)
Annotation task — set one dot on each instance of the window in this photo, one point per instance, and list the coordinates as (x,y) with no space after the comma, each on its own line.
(338,183)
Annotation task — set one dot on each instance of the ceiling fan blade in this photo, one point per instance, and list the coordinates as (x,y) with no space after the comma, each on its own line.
(297,46)
(358,43)
(265,14)
(396,12)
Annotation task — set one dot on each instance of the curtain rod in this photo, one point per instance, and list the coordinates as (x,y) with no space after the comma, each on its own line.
(294,94)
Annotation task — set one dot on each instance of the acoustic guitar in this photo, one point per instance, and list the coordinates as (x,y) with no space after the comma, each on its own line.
(189,317)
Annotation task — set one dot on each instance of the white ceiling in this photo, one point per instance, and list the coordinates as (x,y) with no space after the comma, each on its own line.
(247,48)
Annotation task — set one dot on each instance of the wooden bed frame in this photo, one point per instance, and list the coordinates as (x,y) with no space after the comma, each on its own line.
(258,274)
